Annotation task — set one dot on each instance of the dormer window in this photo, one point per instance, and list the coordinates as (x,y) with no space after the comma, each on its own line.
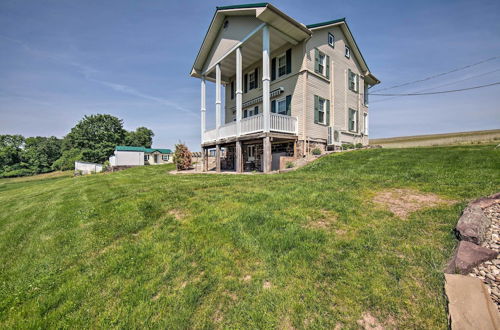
(331,40)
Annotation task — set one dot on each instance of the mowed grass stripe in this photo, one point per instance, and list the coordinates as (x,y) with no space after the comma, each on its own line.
(142,248)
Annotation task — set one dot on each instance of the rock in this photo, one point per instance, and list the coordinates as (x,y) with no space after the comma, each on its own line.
(485,202)
(472,225)
(469,305)
(467,256)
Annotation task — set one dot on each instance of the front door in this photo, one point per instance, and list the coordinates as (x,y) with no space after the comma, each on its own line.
(155,157)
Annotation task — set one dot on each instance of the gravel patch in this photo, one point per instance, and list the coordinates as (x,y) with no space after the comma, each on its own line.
(489,271)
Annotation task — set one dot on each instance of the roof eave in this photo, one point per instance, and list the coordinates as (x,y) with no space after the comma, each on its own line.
(261,7)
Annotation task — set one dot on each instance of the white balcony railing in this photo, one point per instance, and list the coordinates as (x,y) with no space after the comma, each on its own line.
(283,123)
(227,130)
(253,124)
(210,135)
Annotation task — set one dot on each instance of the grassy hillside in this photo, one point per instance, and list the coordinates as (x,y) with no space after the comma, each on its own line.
(474,137)
(142,248)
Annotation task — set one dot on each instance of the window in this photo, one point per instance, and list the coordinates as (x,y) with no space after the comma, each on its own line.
(146,158)
(353,120)
(281,106)
(251,112)
(365,123)
(282,65)
(321,110)
(331,40)
(251,80)
(353,81)
(232,90)
(251,152)
(347,52)
(321,63)
(165,158)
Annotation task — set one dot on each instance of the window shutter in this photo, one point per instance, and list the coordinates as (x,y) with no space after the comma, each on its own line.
(289,105)
(327,112)
(273,106)
(316,61)
(256,110)
(357,83)
(289,60)
(245,83)
(349,79)
(357,121)
(232,90)
(273,68)
(327,66)
(351,120)
(256,73)
(245,113)
(316,109)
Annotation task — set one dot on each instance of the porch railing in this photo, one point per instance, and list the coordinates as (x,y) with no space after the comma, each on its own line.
(254,124)
(283,123)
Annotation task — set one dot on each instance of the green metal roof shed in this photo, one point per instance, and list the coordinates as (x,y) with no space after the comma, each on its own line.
(145,150)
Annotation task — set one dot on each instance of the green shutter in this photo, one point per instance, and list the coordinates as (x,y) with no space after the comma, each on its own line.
(349,78)
(273,68)
(316,109)
(289,60)
(357,121)
(328,112)
(327,66)
(316,60)
(357,83)
(273,106)
(352,127)
(256,73)
(289,105)
(245,83)
(256,110)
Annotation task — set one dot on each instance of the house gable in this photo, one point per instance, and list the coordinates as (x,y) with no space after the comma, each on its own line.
(232,31)
(348,40)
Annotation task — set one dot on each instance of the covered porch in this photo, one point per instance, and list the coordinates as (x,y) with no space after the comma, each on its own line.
(223,58)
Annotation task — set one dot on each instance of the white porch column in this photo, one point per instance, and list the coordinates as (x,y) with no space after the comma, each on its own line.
(203,107)
(217,98)
(266,102)
(239,91)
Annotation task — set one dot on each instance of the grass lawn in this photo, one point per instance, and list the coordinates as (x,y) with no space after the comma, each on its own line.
(142,248)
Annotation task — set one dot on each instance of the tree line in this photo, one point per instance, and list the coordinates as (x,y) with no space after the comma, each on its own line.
(93,139)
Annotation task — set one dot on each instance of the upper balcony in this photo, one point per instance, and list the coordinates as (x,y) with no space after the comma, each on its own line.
(254,124)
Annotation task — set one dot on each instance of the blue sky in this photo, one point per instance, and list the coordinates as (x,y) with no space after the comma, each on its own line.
(60,60)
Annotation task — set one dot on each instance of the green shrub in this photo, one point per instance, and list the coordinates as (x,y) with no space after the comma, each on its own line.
(67,160)
(289,165)
(359,145)
(15,173)
(346,146)
(316,151)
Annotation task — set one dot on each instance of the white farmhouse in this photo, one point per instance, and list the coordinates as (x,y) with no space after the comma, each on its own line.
(139,156)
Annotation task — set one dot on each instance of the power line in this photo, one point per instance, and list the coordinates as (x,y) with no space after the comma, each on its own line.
(440,92)
(442,85)
(439,74)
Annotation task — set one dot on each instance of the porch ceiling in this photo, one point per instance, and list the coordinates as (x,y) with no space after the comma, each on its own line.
(251,52)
